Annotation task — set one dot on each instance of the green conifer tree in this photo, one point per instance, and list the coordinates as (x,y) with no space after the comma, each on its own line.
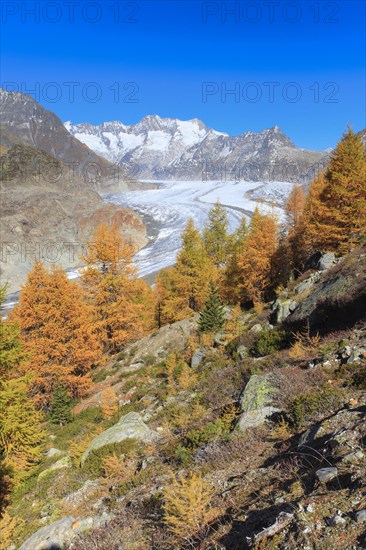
(60,412)
(212,316)
(215,235)
(232,271)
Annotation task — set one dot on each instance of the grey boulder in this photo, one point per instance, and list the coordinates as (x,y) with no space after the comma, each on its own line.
(59,534)
(130,426)
(307,283)
(282,309)
(256,402)
(242,352)
(53,452)
(326,474)
(361,516)
(197,358)
(327,261)
(257,328)
(64,462)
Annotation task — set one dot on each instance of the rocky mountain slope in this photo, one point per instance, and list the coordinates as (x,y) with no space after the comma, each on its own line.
(25,121)
(47,212)
(273,423)
(363,136)
(172,149)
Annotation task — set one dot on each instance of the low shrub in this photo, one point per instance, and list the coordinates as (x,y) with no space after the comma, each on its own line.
(183,455)
(359,376)
(94,464)
(149,359)
(212,431)
(307,407)
(100,376)
(268,342)
(81,424)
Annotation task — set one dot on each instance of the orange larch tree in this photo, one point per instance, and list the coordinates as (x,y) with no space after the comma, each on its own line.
(163,291)
(255,259)
(122,303)
(304,236)
(57,333)
(335,210)
(294,208)
(287,256)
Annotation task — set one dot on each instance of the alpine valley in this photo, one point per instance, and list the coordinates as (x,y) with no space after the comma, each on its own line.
(69,169)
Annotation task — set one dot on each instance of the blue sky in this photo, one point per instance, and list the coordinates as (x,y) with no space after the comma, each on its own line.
(300,64)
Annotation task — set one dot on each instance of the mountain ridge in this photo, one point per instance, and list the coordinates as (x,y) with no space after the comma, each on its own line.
(42,205)
(169,148)
(30,124)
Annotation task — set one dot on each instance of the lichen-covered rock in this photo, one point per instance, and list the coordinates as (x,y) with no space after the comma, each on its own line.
(53,452)
(361,516)
(257,328)
(327,261)
(168,339)
(197,358)
(56,535)
(256,402)
(242,352)
(79,496)
(282,309)
(337,520)
(356,355)
(307,283)
(130,426)
(64,462)
(326,474)
(221,339)
(283,520)
(353,457)
(59,534)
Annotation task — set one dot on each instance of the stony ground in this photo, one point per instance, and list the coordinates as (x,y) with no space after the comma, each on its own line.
(275,423)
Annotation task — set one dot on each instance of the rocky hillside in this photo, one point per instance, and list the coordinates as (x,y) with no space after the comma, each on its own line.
(172,149)
(332,297)
(42,202)
(25,121)
(363,136)
(252,439)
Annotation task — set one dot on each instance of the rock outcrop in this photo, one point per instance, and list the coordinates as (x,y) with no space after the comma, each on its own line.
(64,462)
(197,358)
(256,402)
(130,426)
(59,534)
(336,298)
(282,309)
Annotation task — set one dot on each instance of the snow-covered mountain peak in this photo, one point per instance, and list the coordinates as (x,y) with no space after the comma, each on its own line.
(5,95)
(169,148)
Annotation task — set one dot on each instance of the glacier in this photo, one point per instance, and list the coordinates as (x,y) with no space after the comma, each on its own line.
(174,202)
(168,208)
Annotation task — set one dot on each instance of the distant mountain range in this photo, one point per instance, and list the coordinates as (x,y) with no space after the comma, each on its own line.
(171,149)
(36,207)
